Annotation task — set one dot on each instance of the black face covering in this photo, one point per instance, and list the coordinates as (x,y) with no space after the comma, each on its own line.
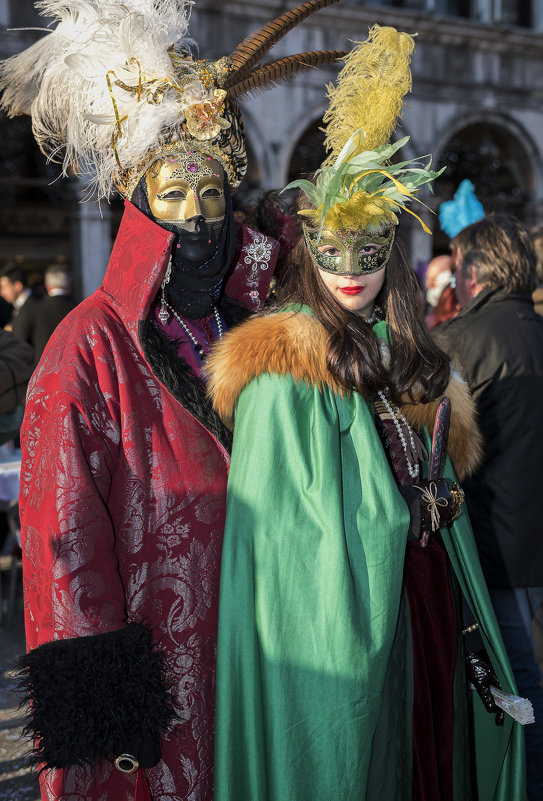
(201,256)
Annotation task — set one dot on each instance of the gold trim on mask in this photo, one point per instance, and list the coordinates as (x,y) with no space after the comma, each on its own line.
(350,260)
(127,182)
(184,186)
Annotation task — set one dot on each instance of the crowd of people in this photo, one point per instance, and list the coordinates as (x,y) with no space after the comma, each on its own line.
(280,538)
(33,313)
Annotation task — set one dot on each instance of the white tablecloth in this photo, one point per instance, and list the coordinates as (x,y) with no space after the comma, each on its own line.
(10,470)
(9,480)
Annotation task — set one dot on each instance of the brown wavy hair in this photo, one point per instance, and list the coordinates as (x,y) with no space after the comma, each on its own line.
(354,357)
(501,252)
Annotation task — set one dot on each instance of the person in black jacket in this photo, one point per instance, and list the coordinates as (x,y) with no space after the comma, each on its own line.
(53,308)
(496,342)
(16,364)
(15,290)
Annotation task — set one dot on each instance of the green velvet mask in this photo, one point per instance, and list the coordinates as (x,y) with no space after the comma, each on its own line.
(350,259)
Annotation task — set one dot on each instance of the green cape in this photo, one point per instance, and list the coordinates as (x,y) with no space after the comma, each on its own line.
(314,677)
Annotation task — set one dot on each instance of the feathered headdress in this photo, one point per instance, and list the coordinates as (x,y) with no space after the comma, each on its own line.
(465,208)
(357,187)
(114,85)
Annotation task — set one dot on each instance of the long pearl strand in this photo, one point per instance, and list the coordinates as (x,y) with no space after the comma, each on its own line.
(375,317)
(197,346)
(413,469)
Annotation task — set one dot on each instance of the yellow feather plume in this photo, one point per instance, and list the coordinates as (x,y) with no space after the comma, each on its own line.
(361,212)
(369,91)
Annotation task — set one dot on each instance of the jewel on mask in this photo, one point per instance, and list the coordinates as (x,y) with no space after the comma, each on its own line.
(192,166)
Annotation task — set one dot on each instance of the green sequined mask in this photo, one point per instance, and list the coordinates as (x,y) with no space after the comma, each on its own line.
(350,260)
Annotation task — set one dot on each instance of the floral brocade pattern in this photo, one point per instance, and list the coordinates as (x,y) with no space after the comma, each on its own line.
(257,258)
(122,505)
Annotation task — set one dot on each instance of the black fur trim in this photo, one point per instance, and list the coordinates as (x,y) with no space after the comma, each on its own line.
(232,311)
(96,697)
(179,378)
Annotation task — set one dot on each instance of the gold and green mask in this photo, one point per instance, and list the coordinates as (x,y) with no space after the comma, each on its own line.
(350,258)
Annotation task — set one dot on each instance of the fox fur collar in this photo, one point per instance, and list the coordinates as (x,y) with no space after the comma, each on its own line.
(295,343)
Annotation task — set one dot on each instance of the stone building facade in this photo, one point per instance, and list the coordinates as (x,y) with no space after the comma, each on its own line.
(476,103)
(476,107)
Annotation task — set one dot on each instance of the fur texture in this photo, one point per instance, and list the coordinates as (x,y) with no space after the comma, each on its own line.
(179,379)
(290,343)
(113,698)
(177,376)
(465,441)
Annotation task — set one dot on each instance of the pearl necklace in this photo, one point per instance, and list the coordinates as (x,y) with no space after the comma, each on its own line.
(197,346)
(375,317)
(412,469)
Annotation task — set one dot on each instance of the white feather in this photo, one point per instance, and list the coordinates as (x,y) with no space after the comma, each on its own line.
(61,80)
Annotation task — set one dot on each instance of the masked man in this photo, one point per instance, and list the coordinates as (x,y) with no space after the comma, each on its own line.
(125,463)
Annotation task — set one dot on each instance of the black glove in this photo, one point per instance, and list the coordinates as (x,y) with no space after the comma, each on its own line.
(481,674)
(432,505)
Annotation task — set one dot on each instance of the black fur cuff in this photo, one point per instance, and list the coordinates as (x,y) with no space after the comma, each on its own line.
(96,697)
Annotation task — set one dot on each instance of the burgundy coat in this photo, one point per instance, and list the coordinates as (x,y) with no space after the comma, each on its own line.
(123,501)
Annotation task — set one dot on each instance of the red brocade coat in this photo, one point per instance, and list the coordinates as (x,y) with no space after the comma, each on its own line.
(122,505)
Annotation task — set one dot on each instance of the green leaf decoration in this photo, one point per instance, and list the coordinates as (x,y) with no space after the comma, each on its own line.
(338,183)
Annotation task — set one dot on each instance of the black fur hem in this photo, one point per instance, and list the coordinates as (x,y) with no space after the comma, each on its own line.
(179,378)
(96,697)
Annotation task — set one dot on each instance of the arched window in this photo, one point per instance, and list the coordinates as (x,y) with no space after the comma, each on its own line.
(308,153)
(497,164)
(35,224)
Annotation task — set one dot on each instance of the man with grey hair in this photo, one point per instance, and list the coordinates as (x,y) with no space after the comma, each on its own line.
(496,342)
(54,307)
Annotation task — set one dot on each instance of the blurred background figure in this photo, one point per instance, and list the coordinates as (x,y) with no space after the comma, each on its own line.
(438,274)
(15,290)
(54,307)
(439,282)
(454,215)
(496,342)
(16,362)
(537,234)
(6,310)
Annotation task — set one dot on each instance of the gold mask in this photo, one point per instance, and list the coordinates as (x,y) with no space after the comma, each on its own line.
(350,258)
(186,185)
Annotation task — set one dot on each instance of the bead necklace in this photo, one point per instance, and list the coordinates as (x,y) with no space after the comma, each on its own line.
(375,317)
(413,469)
(197,346)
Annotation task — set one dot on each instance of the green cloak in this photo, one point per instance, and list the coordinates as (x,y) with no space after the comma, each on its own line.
(314,675)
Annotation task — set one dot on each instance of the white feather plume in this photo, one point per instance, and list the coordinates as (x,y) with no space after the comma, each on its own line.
(61,81)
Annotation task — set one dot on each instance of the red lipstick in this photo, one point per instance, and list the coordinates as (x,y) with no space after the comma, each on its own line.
(351,290)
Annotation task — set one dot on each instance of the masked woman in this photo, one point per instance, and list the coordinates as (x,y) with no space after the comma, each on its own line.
(341,665)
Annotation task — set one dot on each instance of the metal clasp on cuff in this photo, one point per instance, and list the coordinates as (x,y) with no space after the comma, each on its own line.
(126,763)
